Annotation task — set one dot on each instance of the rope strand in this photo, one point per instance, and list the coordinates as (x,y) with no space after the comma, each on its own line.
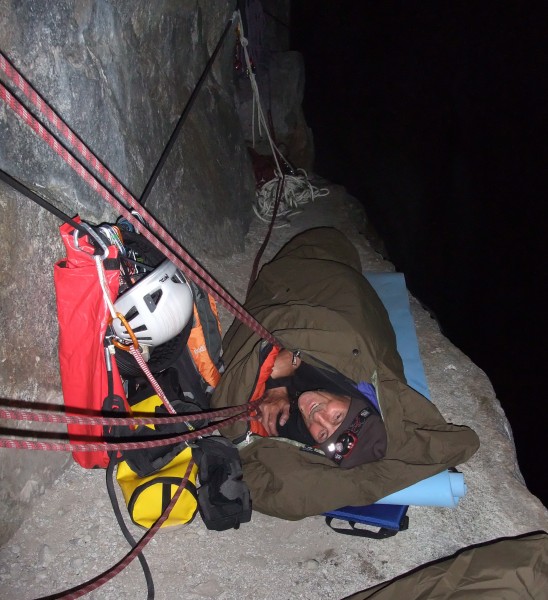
(96,582)
(154,232)
(98,446)
(297,189)
(37,416)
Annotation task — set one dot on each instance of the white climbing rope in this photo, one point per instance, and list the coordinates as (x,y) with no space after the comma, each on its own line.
(104,286)
(297,189)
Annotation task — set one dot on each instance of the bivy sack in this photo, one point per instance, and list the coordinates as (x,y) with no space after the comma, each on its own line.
(148,497)
(83,317)
(315,300)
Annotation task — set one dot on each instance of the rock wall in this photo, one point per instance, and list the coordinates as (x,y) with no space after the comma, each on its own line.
(119,73)
(280,77)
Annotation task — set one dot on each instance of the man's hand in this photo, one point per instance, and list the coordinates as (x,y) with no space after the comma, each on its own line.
(285,364)
(274,407)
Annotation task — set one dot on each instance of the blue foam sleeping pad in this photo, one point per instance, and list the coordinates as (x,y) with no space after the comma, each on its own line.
(443,489)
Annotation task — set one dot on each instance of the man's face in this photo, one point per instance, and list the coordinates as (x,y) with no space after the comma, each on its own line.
(323,412)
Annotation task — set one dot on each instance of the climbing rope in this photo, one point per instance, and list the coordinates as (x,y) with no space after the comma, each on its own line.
(56,414)
(100,446)
(153,230)
(132,348)
(296,189)
(96,582)
(184,114)
(111,190)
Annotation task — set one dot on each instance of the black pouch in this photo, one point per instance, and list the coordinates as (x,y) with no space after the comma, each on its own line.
(149,460)
(223,497)
(144,401)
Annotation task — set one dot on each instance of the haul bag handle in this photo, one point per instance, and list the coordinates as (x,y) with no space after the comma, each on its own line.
(380,534)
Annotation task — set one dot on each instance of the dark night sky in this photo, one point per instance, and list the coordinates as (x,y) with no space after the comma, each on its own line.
(434,115)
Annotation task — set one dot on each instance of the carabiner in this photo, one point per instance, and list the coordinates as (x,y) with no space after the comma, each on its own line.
(92,234)
(134,340)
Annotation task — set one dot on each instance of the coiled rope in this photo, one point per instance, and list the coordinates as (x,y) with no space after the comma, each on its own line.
(297,189)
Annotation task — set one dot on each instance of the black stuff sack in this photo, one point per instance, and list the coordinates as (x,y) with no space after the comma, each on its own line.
(223,497)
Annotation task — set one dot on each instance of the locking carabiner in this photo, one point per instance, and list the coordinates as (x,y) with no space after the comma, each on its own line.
(92,234)
(133,337)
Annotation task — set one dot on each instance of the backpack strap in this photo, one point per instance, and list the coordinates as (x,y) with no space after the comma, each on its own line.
(380,534)
(205,340)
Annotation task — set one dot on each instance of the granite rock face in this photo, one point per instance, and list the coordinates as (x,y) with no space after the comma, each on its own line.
(119,73)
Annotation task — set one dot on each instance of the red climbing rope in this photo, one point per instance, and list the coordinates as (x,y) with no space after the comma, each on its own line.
(136,353)
(110,446)
(164,240)
(96,582)
(37,416)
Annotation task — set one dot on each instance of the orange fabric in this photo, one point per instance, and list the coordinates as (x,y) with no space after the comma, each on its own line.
(213,306)
(264,374)
(198,350)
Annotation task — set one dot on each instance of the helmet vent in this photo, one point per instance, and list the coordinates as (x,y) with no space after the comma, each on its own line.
(153,299)
(131,314)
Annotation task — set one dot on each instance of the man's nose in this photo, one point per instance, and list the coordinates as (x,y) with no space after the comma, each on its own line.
(320,417)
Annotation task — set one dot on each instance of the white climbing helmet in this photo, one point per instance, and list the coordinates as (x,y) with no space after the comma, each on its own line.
(157,308)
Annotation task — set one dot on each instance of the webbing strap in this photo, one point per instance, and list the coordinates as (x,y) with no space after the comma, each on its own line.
(23,189)
(153,232)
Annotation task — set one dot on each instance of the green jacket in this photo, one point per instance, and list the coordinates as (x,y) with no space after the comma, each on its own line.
(313,297)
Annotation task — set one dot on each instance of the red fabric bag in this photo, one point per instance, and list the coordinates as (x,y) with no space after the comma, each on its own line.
(83,318)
